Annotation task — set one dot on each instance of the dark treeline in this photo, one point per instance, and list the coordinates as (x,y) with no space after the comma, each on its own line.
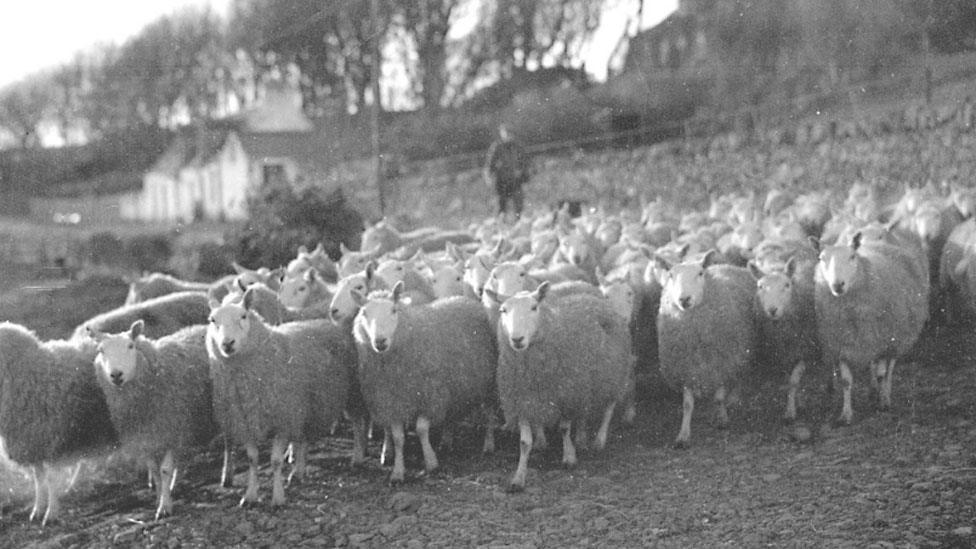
(192,65)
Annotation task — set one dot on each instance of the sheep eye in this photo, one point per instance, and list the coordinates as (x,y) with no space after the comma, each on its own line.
(359,288)
(303,289)
(131,346)
(244,316)
(535,308)
(211,320)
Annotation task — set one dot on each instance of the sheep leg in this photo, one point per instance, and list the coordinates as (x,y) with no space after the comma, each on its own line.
(278,446)
(687,408)
(582,433)
(525,448)
(447,438)
(540,442)
(399,469)
(491,423)
(846,382)
(359,440)
(75,473)
(227,471)
(885,393)
(569,451)
(251,494)
(55,487)
(153,469)
(423,432)
(877,374)
(385,450)
(40,492)
(167,478)
(300,455)
(794,386)
(721,410)
(600,442)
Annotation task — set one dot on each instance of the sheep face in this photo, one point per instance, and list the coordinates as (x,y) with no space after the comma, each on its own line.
(575,247)
(391,271)
(447,281)
(117,356)
(508,278)
(774,291)
(377,322)
(838,266)
(519,319)
(964,199)
(621,296)
(353,262)
(928,222)
(684,285)
(294,291)
(228,327)
(476,271)
(609,231)
(544,244)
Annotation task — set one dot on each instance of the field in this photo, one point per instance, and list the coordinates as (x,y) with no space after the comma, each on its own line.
(904,478)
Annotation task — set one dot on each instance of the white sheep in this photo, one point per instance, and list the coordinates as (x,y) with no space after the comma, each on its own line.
(52,413)
(957,273)
(423,365)
(344,305)
(872,303)
(159,397)
(416,287)
(354,261)
(706,332)
(560,362)
(317,259)
(304,290)
(162,315)
(159,284)
(788,321)
(287,383)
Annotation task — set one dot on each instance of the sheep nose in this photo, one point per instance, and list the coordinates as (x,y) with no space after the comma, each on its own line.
(228,347)
(577,259)
(381,344)
(684,302)
(334,313)
(838,287)
(773,311)
(116,378)
(518,342)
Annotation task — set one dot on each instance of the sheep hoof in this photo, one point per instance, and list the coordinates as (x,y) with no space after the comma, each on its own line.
(842,421)
(247,503)
(395,481)
(515,488)
(162,513)
(436,473)
(680,445)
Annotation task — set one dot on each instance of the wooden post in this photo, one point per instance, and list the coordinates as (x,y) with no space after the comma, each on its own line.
(374,113)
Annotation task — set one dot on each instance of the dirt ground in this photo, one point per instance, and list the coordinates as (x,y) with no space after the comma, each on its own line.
(904,478)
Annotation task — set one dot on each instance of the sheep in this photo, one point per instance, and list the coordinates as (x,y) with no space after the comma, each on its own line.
(317,259)
(957,272)
(559,362)
(289,383)
(447,281)
(416,287)
(160,284)
(264,275)
(385,238)
(159,397)
(52,413)
(162,315)
(963,198)
(423,364)
(622,298)
(788,321)
(872,302)
(706,332)
(352,262)
(344,306)
(304,290)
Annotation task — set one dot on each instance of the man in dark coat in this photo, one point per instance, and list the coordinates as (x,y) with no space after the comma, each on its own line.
(507,169)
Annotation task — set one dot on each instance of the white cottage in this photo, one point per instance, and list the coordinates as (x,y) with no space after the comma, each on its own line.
(209,171)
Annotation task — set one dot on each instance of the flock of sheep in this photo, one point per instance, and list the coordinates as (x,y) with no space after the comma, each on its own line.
(547,324)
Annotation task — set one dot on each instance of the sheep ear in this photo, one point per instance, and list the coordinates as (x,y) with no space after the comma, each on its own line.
(212,298)
(319,249)
(248,300)
(310,275)
(683,250)
(137,329)
(601,278)
(302,250)
(541,291)
(370,270)
(791,266)
(239,281)
(856,241)
(238,268)
(397,291)
(375,251)
(492,295)
(343,250)
(93,333)
(358,297)
(962,266)
(661,264)
(453,251)
(711,258)
(815,242)
(484,263)
(755,270)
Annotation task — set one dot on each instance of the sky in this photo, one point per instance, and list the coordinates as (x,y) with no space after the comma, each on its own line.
(41,34)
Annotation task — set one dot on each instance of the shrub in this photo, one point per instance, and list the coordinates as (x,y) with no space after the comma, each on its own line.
(283,218)
(149,252)
(105,248)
